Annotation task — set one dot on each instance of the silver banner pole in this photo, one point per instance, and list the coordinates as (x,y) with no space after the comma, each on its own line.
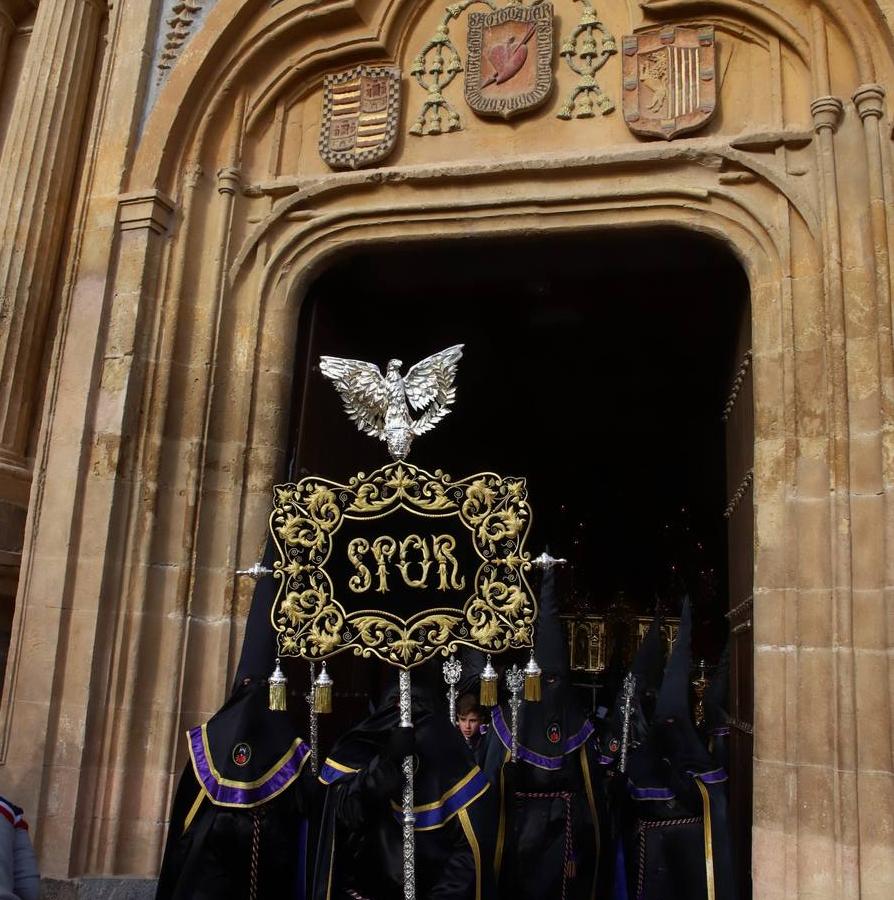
(314,724)
(453,670)
(629,691)
(515,681)
(406,720)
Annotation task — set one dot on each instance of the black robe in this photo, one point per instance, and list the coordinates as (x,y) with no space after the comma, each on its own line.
(548,838)
(677,814)
(676,824)
(241,809)
(361,835)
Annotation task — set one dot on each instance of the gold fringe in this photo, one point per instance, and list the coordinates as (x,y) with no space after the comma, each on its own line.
(532,688)
(278,697)
(322,698)
(277,683)
(488,691)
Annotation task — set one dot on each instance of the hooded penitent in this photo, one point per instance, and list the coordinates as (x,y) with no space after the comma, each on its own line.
(548,843)
(647,668)
(676,821)
(361,839)
(239,822)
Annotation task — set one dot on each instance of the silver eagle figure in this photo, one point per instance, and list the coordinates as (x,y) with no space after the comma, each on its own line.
(380,405)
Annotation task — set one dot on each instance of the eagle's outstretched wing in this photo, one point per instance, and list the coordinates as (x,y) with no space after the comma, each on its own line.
(362,390)
(429,387)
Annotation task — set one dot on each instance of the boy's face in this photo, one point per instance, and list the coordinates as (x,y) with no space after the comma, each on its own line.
(469,725)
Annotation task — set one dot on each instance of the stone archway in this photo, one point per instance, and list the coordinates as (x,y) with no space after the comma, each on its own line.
(164,407)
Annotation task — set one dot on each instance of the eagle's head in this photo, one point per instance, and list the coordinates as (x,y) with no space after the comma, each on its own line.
(394,366)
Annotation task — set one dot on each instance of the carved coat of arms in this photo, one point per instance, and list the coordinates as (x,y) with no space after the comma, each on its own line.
(669,80)
(509,68)
(360,113)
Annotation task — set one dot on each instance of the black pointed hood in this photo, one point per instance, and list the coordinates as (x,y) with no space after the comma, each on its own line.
(473,662)
(557,725)
(672,747)
(245,741)
(673,773)
(648,664)
(259,644)
(551,644)
(673,698)
(647,668)
(673,730)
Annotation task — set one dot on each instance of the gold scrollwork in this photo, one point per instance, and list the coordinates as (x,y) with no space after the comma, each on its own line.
(498,613)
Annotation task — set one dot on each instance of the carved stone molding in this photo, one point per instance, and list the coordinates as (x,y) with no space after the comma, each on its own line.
(586,50)
(743,609)
(178,25)
(145,210)
(741,491)
(870,101)
(736,388)
(229,180)
(826,112)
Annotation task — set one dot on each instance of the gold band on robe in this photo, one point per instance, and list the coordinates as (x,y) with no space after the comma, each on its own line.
(501,830)
(709,846)
(466,823)
(591,800)
(192,813)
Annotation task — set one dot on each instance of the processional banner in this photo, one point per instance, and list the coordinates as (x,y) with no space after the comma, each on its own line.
(402,564)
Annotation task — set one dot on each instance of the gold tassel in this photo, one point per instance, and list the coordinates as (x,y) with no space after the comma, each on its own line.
(532,680)
(277,682)
(323,692)
(489,684)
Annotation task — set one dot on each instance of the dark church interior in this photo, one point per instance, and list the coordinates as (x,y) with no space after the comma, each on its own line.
(595,365)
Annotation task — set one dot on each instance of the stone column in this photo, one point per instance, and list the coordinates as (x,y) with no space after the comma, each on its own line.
(37,170)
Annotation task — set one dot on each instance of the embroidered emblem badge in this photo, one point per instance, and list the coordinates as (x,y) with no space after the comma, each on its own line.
(360,113)
(553,733)
(510,63)
(614,745)
(241,754)
(669,81)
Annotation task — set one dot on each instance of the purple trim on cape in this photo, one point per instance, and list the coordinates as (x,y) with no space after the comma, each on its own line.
(228,795)
(538,759)
(650,793)
(606,760)
(329,774)
(720,732)
(715,776)
(431,818)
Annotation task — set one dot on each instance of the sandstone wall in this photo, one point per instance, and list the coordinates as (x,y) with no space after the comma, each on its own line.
(175,209)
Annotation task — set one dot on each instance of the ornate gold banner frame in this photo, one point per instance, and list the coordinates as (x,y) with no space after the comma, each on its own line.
(342,544)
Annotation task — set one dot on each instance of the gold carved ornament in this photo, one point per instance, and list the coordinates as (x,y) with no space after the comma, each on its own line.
(490,512)
(586,50)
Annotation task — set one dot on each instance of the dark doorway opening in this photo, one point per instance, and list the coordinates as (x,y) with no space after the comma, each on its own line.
(597,365)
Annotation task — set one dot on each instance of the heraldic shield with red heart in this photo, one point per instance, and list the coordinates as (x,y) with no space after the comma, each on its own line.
(509,69)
